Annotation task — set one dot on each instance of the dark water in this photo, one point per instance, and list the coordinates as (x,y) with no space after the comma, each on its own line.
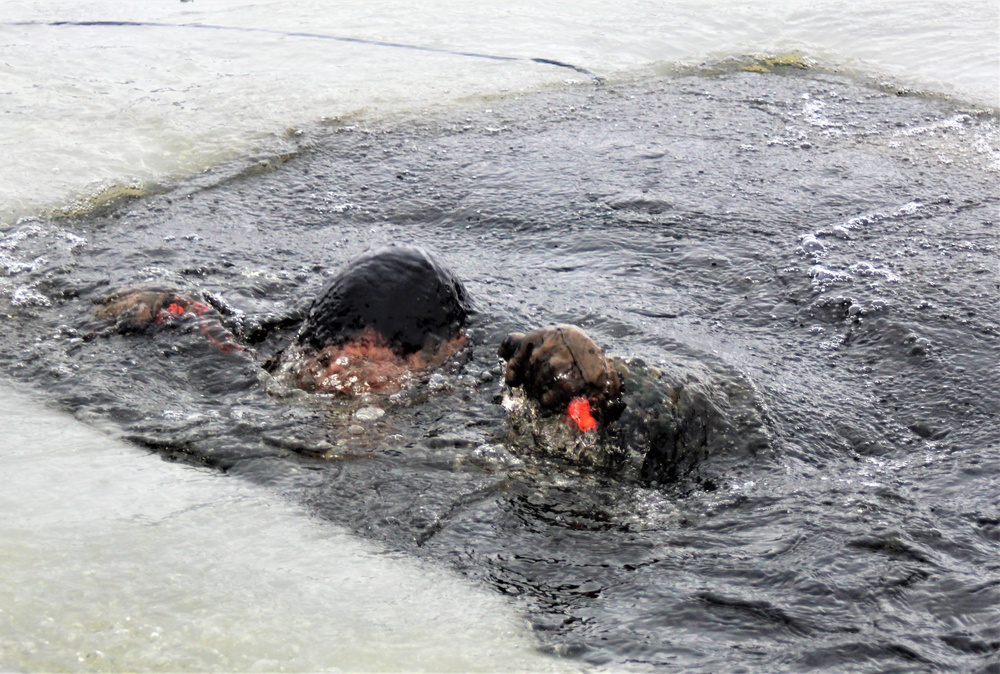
(833,243)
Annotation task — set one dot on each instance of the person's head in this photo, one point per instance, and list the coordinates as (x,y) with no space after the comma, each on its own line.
(401,294)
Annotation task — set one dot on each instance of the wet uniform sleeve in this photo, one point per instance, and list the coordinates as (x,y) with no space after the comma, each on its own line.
(669,425)
(144,310)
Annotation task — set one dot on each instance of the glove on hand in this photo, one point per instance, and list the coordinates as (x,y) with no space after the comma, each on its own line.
(554,365)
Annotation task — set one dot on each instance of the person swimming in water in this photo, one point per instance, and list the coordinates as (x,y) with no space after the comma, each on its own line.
(395,313)
(385,317)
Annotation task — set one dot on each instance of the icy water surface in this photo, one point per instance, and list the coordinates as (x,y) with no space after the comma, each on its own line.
(105,549)
(107,96)
(834,243)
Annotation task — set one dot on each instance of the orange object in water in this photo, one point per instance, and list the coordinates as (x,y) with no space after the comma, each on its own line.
(579,413)
(175,309)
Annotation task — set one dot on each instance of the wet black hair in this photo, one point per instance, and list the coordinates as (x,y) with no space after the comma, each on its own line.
(402,293)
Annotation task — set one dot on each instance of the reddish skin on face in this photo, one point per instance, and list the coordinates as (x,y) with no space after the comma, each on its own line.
(367,364)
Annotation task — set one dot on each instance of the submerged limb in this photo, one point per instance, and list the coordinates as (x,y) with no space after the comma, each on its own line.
(139,310)
(660,427)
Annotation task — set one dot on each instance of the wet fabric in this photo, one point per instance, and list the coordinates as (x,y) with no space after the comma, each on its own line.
(669,429)
(686,427)
(139,310)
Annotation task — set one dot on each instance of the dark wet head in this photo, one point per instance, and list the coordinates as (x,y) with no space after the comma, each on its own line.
(402,293)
